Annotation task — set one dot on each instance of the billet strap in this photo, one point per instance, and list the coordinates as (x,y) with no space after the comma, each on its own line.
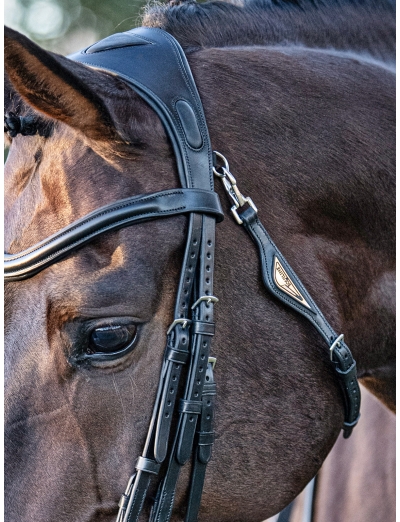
(152,62)
(117,215)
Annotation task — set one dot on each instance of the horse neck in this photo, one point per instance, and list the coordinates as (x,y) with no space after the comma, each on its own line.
(326,201)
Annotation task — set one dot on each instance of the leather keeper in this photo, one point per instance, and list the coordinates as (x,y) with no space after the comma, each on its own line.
(193,407)
(351,370)
(209,389)
(147,465)
(123,501)
(205,438)
(203,328)
(177,356)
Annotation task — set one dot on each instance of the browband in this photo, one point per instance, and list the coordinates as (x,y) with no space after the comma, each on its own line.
(152,62)
(117,215)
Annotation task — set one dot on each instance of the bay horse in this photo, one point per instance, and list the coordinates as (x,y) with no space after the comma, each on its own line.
(299,97)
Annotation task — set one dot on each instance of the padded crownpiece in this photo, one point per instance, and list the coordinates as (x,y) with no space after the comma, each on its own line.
(116,40)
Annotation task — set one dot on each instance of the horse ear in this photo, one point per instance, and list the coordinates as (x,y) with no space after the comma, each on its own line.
(58,87)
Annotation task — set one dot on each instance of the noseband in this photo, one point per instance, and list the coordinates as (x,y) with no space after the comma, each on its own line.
(154,65)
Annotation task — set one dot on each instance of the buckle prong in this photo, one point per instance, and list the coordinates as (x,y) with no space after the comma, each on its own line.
(208,298)
(184,322)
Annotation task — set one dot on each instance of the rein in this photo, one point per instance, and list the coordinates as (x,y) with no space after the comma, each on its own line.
(152,62)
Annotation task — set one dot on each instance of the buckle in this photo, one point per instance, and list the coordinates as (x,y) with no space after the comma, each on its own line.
(335,343)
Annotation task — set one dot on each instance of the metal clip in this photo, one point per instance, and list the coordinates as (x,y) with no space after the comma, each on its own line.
(208,298)
(231,188)
(183,322)
(334,344)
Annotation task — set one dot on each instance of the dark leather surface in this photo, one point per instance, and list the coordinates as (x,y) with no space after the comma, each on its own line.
(159,73)
(117,215)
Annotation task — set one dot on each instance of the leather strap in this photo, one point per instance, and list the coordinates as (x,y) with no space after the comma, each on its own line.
(121,214)
(283,283)
(153,63)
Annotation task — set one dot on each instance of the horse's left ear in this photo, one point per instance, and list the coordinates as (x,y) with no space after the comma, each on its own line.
(59,88)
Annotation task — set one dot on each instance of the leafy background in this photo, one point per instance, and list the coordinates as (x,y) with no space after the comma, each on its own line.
(65,26)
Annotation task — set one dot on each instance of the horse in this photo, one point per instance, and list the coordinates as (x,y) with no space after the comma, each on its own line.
(299,98)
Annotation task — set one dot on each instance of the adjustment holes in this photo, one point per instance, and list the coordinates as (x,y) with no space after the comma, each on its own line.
(177,366)
(208,403)
(207,317)
(204,344)
(208,417)
(208,280)
(208,255)
(184,340)
(174,377)
(192,255)
(207,378)
(186,292)
(169,403)
(200,369)
(208,268)
(209,242)
(190,268)
(190,419)
(198,382)
(188,280)
(183,305)
(207,292)
(196,394)
(166,415)
(195,241)
(171,391)
(202,357)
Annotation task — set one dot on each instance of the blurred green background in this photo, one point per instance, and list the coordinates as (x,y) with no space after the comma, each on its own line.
(65,26)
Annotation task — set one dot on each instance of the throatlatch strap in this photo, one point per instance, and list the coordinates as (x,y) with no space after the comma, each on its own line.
(280,279)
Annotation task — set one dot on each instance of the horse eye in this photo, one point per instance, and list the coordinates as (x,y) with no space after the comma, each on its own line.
(111,339)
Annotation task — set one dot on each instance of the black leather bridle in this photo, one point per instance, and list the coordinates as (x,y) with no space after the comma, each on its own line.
(152,62)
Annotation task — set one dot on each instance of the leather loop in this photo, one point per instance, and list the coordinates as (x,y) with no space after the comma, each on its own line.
(177,355)
(147,465)
(205,438)
(203,328)
(193,407)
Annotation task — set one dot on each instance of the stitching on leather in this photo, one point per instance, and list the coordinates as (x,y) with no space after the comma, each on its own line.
(301,286)
(107,210)
(95,233)
(199,106)
(273,289)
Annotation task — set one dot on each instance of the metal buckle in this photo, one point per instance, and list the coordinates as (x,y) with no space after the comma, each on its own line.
(183,322)
(208,298)
(335,343)
(231,188)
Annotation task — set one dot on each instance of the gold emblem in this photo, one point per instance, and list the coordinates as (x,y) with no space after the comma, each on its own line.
(284,283)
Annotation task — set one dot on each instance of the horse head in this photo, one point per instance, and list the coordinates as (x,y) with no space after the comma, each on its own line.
(76,418)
